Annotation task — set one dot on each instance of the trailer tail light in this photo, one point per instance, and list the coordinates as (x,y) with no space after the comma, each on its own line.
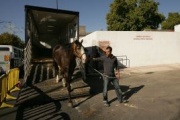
(6,57)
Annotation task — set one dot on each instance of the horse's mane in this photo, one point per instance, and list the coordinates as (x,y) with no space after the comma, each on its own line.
(66,45)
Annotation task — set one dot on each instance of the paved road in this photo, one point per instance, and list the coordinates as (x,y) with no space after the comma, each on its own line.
(150,93)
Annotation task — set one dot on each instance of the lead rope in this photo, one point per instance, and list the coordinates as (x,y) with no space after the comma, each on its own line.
(102,73)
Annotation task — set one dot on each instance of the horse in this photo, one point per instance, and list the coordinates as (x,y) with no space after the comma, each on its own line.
(64,57)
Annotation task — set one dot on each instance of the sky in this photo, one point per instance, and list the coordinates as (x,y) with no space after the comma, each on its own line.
(92,13)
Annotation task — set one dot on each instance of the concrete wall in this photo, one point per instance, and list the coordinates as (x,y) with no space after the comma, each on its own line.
(142,48)
(177,28)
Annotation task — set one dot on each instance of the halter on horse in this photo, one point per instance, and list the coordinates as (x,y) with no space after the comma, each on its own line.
(65,58)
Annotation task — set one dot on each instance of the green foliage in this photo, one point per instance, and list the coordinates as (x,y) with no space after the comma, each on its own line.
(11,39)
(172,20)
(133,15)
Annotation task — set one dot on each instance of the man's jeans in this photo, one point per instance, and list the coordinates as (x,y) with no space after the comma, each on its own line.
(115,83)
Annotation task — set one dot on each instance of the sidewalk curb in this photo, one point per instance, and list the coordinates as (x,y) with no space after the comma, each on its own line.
(153,68)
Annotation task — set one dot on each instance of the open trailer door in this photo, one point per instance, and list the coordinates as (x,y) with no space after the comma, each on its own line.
(44,28)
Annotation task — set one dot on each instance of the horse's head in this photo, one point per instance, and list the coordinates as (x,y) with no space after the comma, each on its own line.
(79,50)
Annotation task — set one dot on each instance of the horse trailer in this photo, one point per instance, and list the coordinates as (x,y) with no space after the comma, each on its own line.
(44,28)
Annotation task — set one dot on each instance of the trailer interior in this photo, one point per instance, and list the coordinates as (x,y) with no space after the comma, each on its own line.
(46,27)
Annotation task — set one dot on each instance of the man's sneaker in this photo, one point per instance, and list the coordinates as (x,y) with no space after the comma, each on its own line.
(121,100)
(106,103)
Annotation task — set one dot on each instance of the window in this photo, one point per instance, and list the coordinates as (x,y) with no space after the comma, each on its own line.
(4,49)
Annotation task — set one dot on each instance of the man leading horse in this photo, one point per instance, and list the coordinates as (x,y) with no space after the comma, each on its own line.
(111,74)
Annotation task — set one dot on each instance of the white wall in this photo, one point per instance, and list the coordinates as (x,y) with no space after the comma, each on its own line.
(177,28)
(142,48)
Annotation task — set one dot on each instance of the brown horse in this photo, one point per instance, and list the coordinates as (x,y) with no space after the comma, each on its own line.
(65,61)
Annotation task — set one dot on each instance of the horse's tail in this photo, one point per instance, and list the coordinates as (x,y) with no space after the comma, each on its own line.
(55,65)
(53,57)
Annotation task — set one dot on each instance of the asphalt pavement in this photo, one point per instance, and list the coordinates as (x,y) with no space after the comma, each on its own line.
(150,93)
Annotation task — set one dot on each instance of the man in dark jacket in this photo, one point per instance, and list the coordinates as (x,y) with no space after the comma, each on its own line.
(111,73)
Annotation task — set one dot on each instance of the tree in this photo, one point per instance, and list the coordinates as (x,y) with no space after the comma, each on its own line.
(172,20)
(133,15)
(11,39)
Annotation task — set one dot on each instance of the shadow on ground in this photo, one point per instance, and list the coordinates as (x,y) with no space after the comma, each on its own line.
(96,87)
(39,106)
(36,104)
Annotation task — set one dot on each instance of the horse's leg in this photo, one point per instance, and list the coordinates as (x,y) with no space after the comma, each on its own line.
(64,82)
(57,78)
(61,72)
(60,77)
(56,67)
(69,76)
(70,103)
(58,74)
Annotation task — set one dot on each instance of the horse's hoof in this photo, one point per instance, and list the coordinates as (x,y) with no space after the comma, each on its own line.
(64,82)
(70,104)
(64,85)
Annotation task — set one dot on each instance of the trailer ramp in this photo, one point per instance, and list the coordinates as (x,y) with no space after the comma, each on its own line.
(42,81)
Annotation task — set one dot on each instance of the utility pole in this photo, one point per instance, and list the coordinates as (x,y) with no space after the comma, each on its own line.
(57,3)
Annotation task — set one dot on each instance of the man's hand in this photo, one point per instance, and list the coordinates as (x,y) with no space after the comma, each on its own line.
(117,74)
(89,58)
